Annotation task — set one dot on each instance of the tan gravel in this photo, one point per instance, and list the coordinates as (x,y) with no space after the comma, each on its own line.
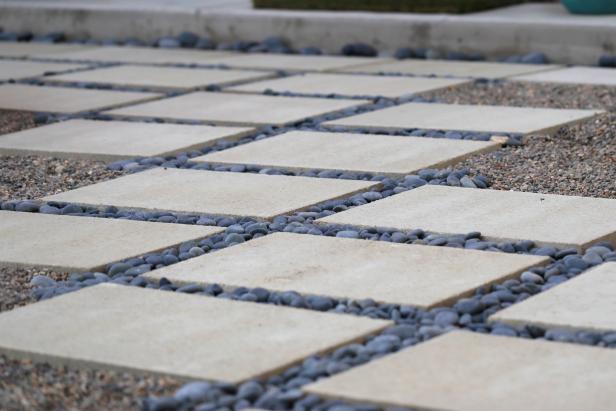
(31,177)
(577,160)
(35,386)
(12,121)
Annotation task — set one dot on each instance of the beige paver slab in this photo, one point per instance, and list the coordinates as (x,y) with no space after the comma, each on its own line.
(522,120)
(177,334)
(349,85)
(290,62)
(563,221)
(350,152)
(463,371)
(585,302)
(473,69)
(84,244)
(212,192)
(64,99)
(113,140)
(347,268)
(574,75)
(141,55)
(34,49)
(17,69)
(160,77)
(239,109)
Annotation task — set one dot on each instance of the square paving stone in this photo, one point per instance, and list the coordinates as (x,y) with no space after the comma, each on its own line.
(586,302)
(64,99)
(114,140)
(463,371)
(416,275)
(574,75)
(379,154)
(472,69)
(522,120)
(82,243)
(349,85)
(141,55)
(177,334)
(239,109)
(213,192)
(546,219)
(296,62)
(34,49)
(160,77)
(17,69)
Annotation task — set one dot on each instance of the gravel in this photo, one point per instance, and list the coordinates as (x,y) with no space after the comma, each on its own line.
(577,160)
(29,177)
(12,121)
(16,288)
(25,385)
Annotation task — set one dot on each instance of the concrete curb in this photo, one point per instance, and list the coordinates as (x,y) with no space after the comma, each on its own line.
(564,39)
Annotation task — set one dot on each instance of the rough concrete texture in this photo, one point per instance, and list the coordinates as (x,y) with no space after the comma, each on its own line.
(140,55)
(584,303)
(113,140)
(64,100)
(570,38)
(237,109)
(574,75)
(379,154)
(212,192)
(547,219)
(522,120)
(173,78)
(467,69)
(13,69)
(463,371)
(84,244)
(130,328)
(346,268)
(349,85)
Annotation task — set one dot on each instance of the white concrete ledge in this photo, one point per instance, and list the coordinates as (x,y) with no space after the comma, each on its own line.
(522,29)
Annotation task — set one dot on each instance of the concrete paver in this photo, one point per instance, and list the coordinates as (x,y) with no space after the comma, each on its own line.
(176,334)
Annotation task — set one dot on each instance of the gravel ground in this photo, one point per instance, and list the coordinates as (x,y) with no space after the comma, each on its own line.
(29,177)
(526,94)
(28,386)
(15,290)
(11,121)
(577,160)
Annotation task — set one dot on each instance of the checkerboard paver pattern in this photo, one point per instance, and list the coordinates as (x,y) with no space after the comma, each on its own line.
(465,69)
(519,120)
(64,99)
(84,244)
(19,69)
(583,303)
(237,109)
(131,328)
(348,268)
(349,85)
(114,140)
(379,154)
(546,219)
(574,75)
(157,77)
(212,192)
(463,371)
(140,55)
